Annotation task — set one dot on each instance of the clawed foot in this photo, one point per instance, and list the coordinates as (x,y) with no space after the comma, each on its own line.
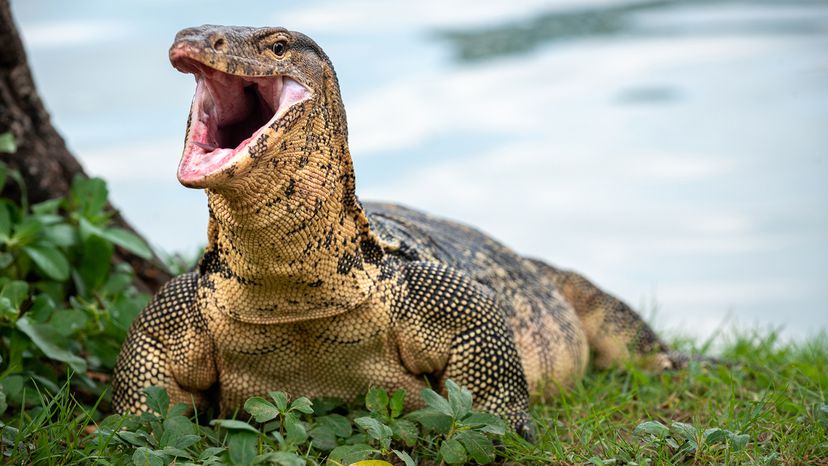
(677,360)
(523,425)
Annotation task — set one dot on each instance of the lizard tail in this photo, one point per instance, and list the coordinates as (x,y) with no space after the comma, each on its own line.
(615,332)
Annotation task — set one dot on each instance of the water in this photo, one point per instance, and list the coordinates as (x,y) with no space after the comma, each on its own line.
(674,152)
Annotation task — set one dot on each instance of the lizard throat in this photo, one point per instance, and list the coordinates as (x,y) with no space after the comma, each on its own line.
(229,116)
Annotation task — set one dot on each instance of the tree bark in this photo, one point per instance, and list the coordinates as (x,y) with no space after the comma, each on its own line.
(42,158)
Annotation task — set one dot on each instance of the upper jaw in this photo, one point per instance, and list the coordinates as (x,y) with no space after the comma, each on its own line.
(230,119)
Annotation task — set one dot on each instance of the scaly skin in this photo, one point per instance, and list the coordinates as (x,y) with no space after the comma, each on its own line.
(303,289)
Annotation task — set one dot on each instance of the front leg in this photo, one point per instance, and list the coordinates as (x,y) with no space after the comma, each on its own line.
(167,346)
(449,327)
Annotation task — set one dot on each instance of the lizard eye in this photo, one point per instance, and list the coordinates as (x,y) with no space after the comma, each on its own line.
(279,48)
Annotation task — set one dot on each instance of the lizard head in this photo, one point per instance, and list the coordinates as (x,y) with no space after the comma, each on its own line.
(252,87)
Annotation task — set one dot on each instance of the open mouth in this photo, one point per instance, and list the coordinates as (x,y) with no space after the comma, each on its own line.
(228,115)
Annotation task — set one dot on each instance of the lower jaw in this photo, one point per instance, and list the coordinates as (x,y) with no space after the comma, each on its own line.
(204,170)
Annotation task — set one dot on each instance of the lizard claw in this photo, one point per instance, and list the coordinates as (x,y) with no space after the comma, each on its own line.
(679,360)
(523,426)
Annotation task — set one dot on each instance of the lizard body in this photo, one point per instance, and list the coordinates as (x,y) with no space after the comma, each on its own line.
(301,288)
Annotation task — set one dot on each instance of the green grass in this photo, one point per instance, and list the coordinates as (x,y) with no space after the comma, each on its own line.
(769,407)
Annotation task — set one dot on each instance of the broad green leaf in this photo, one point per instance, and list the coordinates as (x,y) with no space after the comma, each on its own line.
(56,291)
(405,457)
(261,409)
(738,441)
(48,219)
(270,426)
(96,259)
(5,259)
(5,222)
(89,196)
(460,399)
(437,402)
(432,419)
(689,446)
(242,447)
(138,439)
(686,431)
(302,404)
(397,403)
(176,428)
(374,428)
(116,283)
(294,429)
(453,452)
(282,458)
(280,399)
(179,409)
(714,435)
(323,437)
(49,207)
(349,454)
(7,310)
(406,431)
(44,337)
(232,424)
(49,260)
(61,234)
(157,399)
(485,422)
(127,240)
(68,321)
(822,416)
(143,456)
(210,452)
(325,405)
(13,386)
(26,231)
(372,463)
(339,424)
(124,309)
(103,353)
(653,428)
(376,400)
(8,145)
(16,291)
(186,441)
(3,405)
(176,452)
(479,447)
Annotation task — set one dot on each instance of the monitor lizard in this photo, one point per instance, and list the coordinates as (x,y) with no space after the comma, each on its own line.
(303,288)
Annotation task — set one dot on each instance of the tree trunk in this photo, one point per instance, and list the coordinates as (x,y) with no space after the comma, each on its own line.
(44,162)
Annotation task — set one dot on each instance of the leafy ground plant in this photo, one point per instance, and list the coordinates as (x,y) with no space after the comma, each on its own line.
(299,432)
(63,304)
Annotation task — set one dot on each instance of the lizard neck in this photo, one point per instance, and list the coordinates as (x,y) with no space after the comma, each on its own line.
(290,248)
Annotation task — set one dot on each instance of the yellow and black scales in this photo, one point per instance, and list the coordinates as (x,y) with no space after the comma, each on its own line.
(304,289)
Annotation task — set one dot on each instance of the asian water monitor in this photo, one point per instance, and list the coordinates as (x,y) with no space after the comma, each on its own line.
(301,288)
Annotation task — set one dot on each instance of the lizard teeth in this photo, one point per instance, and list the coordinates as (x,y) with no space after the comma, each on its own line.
(207,147)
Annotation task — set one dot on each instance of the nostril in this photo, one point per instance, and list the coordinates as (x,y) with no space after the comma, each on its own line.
(219,44)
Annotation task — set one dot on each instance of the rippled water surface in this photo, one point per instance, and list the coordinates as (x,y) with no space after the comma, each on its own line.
(674,152)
